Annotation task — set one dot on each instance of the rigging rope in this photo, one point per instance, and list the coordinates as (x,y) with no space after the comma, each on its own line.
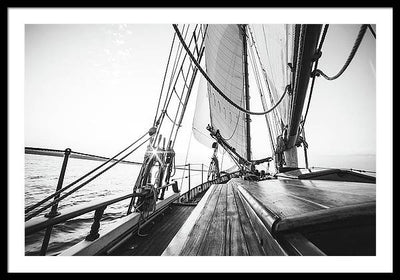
(30,208)
(181,104)
(169,94)
(313,79)
(259,84)
(81,185)
(230,150)
(175,67)
(216,88)
(357,43)
(275,116)
(372,30)
(350,169)
(193,73)
(166,113)
(187,153)
(163,82)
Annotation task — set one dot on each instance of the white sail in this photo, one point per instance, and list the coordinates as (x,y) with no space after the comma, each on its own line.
(201,117)
(224,65)
(275,47)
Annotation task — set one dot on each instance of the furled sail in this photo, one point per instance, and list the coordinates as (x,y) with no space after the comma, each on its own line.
(224,65)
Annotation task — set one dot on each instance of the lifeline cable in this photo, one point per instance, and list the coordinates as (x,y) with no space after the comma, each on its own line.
(30,208)
(81,185)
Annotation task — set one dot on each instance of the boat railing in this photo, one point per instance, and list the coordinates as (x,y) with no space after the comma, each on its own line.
(55,217)
(191,194)
(39,223)
(33,211)
(35,223)
(47,222)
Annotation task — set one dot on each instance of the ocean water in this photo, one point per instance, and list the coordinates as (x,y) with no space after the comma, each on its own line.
(361,162)
(41,177)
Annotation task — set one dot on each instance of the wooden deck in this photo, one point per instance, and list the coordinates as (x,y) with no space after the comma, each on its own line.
(330,174)
(287,198)
(221,227)
(243,217)
(158,233)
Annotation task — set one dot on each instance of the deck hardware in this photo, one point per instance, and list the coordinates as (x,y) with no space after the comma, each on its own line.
(202,170)
(94,230)
(189,183)
(53,212)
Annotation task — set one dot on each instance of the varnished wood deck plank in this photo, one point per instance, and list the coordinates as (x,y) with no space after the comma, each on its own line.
(364,189)
(280,203)
(293,197)
(250,237)
(222,227)
(214,240)
(196,235)
(236,243)
(158,235)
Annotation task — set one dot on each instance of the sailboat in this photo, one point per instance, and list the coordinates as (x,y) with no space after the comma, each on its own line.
(266,206)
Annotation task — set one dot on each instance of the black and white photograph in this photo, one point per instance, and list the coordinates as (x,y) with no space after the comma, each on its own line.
(181,140)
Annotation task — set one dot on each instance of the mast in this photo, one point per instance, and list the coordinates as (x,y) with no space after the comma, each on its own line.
(304,53)
(246,92)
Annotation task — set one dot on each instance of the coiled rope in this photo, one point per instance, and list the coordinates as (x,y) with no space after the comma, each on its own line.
(216,88)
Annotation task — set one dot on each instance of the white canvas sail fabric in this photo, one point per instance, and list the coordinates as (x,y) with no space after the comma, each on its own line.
(275,46)
(202,115)
(224,65)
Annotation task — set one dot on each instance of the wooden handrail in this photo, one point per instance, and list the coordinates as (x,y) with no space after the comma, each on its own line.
(39,223)
(330,215)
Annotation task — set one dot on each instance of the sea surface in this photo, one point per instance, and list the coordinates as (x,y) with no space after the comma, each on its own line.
(41,177)
(42,173)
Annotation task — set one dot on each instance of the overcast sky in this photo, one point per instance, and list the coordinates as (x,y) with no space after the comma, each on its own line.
(94,88)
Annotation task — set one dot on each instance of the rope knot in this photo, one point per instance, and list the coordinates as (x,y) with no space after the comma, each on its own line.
(317,55)
(289,90)
(152,131)
(315,73)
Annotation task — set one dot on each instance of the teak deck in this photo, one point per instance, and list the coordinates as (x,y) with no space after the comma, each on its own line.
(222,227)
(157,234)
(240,217)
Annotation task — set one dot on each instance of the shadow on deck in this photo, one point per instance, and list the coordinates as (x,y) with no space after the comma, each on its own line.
(155,236)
